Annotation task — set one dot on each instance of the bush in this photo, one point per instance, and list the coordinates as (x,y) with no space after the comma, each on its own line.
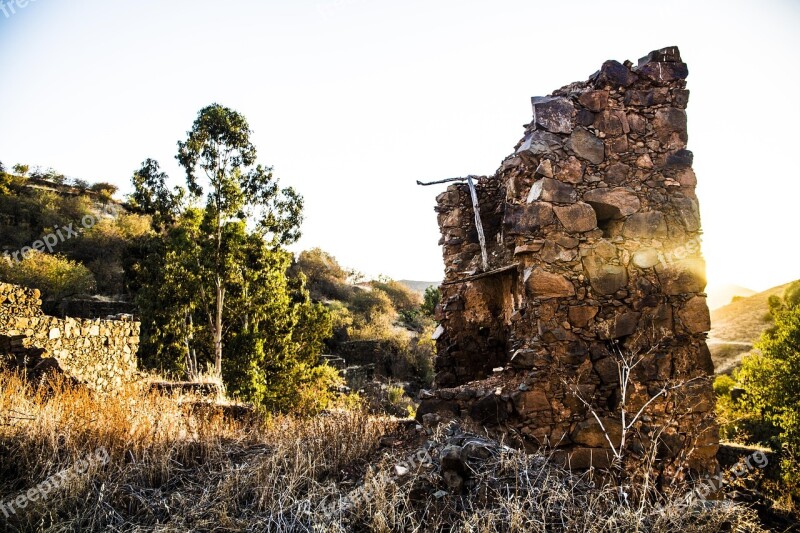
(55,276)
(402,298)
(325,278)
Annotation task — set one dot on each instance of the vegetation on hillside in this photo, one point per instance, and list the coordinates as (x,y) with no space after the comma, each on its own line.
(760,403)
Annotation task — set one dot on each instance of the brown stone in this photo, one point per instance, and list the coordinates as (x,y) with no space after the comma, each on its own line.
(543,284)
(550,190)
(695,316)
(586,146)
(648,225)
(670,120)
(581,315)
(530,401)
(570,170)
(594,100)
(613,203)
(529,218)
(576,218)
(591,433)
(604,278)
(553,113)
(686,276)
(608,122)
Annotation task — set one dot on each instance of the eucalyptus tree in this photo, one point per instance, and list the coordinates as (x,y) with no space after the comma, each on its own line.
(221,167)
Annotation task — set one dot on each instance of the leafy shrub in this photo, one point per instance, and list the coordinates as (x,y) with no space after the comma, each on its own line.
(55,276)
(402,298)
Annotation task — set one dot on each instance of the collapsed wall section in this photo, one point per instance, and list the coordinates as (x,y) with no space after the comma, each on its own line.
(592,232)
(98,353)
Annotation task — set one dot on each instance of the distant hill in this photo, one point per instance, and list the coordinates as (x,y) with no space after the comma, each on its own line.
(724,294)
(736,326)
(419,286)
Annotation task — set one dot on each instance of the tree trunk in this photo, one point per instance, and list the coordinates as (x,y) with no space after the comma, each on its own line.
(218,328)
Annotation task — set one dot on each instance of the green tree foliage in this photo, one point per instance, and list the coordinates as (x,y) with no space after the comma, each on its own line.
(430,300)
(152,196)
(218,148)
(55,276)
(770,378)
(325,278)
(21,170)
(214,281)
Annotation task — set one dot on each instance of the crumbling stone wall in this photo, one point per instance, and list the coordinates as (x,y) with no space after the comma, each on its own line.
(98,353)
(593,240)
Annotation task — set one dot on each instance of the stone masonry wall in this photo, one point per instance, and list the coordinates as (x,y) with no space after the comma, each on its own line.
(98,353)
(593,235)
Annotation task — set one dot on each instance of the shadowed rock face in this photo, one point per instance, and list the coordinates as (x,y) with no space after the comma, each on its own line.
(595,213)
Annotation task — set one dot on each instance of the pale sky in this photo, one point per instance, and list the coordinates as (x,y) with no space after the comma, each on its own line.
(352,101)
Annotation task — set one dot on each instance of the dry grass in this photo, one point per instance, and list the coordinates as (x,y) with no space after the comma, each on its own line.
(171,469)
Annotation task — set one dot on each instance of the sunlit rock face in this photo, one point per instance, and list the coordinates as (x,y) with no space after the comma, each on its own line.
(593,238)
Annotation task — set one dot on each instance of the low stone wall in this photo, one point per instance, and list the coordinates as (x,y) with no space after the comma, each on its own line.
(98,353)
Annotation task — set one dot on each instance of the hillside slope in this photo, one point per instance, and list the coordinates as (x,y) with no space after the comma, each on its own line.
(736,326)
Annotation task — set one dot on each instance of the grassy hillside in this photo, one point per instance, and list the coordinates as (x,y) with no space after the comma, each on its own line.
(736,326)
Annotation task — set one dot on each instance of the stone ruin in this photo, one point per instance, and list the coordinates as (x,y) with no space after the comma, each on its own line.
(584,251)
(100,354)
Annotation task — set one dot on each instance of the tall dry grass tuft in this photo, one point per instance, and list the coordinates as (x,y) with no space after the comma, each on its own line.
(174,468)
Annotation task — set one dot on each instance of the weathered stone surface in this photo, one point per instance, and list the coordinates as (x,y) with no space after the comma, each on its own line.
(570,171)
(594,100)
(664,72)
(645,258)
(581,315)
(543,284)
(687,276)
(670,120)
(615,74)
(617,173)
(539,143)
(550,190)
(580,458)
(679,159)
(605,278)
(609,122)
(613,203)
(530,401)
(490,410)
(648,225)
(577,217)
(586,146)
(528,218)
(621,325)
(591,433)
(554,114)
(668,54)
(688,212)
(695,315)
